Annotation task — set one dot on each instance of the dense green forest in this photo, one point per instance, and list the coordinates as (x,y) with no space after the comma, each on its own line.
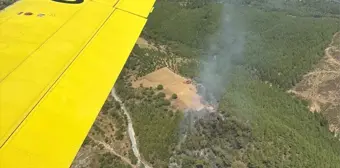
(260,124)
(285,133)
(314,8)
(183,28)
(282,48)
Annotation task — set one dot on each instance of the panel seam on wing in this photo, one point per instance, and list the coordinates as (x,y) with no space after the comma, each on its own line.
(131,13)
(42,44)
(54,83)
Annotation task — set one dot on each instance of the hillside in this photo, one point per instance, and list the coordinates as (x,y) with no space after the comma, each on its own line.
(277,52)
(320,86)
(269,68)
(247,55)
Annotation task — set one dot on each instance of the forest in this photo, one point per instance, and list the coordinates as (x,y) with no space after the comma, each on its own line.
(262,49)
(182,28)
(314,8)
(279,46)
(282,48)
(260,124)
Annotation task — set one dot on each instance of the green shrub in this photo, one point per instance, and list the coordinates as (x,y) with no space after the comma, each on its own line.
(174,96)
(160,87)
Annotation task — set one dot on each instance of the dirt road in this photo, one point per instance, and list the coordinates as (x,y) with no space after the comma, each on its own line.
(108,147)
(131,131)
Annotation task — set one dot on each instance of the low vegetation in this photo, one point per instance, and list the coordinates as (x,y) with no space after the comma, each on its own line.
(108,160)
(143,61)
(154,121)
(109,132)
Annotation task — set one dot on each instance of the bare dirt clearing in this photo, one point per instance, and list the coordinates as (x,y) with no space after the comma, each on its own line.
(322,85)
(142,43)
(173,83)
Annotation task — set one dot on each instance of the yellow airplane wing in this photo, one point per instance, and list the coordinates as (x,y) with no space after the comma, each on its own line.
(58,61)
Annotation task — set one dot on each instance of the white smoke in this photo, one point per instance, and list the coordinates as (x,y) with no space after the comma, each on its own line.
(225,49)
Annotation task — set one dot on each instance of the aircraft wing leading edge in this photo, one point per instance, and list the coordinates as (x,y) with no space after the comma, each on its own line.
(58,62)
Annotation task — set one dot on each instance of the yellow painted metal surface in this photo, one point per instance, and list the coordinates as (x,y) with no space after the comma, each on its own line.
(34,75)
(57,66)
(136,6)
(29,31)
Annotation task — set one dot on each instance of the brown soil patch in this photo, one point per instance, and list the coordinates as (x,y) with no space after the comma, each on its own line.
(173,83)
(142,43)
(322,85)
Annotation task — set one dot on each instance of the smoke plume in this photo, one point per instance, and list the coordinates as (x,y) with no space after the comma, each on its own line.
(225,50)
